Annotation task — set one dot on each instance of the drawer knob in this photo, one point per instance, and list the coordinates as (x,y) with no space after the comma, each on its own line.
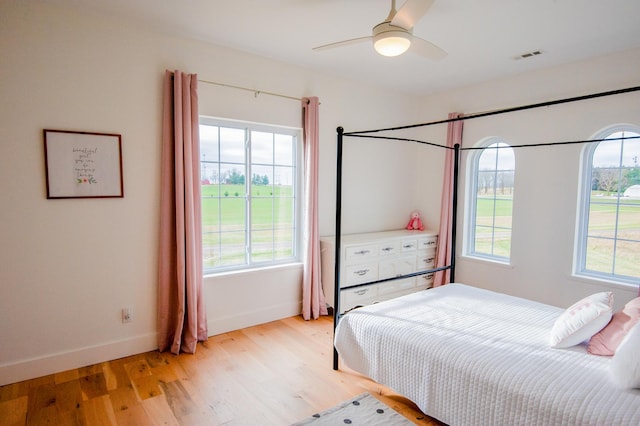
(361,272)
(387,249)
(361,292)
(362,252)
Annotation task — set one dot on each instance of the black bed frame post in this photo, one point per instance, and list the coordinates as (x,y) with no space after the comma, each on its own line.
(454,210)
(336,287)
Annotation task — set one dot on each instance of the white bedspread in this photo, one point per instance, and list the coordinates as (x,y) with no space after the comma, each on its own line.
(468,356)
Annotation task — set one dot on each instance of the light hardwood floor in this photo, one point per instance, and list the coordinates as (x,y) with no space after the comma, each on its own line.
(271,374)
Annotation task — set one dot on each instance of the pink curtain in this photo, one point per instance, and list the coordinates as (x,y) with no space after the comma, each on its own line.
(313,303)
(443,253)
(182,320)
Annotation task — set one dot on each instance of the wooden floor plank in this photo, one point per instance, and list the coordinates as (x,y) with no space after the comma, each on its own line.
(99,411)
(14,412)
(270,374)
(158,410)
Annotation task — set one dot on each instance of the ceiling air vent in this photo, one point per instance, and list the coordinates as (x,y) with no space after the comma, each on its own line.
(529,54)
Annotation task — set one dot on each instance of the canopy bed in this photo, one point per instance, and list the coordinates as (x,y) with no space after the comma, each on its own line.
(470,356)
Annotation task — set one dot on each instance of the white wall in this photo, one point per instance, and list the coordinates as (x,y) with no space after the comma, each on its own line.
(69,266)
(547,179)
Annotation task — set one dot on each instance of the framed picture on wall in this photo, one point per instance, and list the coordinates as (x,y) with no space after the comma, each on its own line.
(83,164)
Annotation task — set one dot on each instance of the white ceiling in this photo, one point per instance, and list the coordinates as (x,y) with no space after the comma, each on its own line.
(482,37)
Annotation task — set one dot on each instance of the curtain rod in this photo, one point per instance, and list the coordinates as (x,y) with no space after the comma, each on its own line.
(247,89)
(503,111)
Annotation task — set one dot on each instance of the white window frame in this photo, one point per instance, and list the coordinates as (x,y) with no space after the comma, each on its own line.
(584,202)
(471,203)
(248,127)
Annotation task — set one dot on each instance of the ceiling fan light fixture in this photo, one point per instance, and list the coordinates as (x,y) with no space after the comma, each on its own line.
(392,43)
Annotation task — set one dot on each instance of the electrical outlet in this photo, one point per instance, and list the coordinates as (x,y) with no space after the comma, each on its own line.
(127,315)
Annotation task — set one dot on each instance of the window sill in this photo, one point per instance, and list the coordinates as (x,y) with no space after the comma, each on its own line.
(607,283)
(485,260)
(259,270)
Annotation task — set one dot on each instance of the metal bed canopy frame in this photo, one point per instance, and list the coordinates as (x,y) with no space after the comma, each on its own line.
(341,135)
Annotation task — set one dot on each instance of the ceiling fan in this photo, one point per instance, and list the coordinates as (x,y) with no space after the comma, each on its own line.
(394,35)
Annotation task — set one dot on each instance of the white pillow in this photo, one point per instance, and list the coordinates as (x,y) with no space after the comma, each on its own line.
(582,320)
(625,364)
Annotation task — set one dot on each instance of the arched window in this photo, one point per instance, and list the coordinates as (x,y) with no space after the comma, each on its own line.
(608,233)
(490,201)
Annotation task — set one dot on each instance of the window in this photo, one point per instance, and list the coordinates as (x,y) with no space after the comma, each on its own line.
(250,183)
(490,197)
(608,237)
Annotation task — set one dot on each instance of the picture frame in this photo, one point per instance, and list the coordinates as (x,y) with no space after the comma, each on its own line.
(83,164)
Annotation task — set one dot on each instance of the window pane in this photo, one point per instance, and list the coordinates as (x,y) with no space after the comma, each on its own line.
(283,177)
(262,180)
(210,204)
(248,208)
(485,211)
(629,221)
(627,262)
(262,213)
(486,181)
(502,242)
(261,148)
(209,143)
(602,218)
(232,248)
(262,246)
(232,145)
(484,239)
(232,214)
(232,177)
(610,226)
(284,238)
(600,255)
(607,154)
(631,151)
(494,174)
(283,212)
(284,150)
(503,212)
(211,249)
(628,244)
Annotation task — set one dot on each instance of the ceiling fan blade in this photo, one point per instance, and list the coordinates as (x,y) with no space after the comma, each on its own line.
(410,12)
(427,49)
(343,43)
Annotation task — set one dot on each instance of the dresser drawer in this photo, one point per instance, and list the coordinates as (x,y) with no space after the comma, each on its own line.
(389,248)
(396,267)
(425,260)
(360,296)
(428,243)
(360,253)
(409,245)
(424,281)
(396,286)
(362,273)
(387,296)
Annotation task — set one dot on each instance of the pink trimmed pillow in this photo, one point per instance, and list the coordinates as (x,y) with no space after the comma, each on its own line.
(607,340)
(582,320)
(624,367)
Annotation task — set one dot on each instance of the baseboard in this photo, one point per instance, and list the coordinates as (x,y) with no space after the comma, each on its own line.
(55,363)
(248,319)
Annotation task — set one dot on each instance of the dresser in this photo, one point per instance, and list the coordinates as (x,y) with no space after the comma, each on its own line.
(375,256)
